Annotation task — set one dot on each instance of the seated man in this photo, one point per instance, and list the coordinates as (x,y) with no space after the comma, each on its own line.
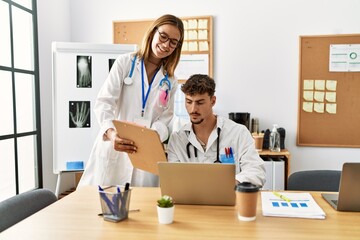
(214,139)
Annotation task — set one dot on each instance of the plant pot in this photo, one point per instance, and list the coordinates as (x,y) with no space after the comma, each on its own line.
(165,215)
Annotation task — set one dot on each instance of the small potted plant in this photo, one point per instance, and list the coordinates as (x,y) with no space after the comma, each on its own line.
(165,209)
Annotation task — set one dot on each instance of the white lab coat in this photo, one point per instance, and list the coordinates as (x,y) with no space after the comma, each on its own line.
(249,165)
(124,102)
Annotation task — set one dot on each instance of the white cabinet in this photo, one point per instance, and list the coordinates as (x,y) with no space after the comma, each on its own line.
(275,174)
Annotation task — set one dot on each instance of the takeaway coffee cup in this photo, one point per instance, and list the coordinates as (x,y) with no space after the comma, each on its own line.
(246,200)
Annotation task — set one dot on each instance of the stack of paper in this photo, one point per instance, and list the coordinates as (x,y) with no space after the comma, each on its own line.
(284,204)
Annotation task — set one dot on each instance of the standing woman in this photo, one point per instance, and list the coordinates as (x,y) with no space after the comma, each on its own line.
(140,88)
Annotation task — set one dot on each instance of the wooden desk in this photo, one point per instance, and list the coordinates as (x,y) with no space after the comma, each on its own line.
(285,154)
(75,217)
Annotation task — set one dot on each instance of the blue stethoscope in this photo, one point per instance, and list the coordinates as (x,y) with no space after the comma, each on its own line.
(217,148)
(128,81)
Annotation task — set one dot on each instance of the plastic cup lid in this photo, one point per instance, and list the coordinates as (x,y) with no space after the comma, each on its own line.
(246,187)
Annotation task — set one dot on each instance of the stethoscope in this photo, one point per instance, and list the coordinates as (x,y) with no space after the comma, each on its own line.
(217,148)
(129,81)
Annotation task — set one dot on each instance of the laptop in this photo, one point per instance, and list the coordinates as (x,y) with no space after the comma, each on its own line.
(348,198)
(198,183)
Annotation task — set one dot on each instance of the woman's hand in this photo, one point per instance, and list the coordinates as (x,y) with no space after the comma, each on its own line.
(120,144)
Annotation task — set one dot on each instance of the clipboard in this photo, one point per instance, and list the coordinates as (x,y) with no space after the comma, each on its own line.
(150,150)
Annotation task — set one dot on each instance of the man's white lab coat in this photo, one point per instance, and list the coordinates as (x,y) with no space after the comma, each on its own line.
(249,165)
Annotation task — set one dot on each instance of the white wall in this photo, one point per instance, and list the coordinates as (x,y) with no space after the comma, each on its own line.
(53,25)
(256,51)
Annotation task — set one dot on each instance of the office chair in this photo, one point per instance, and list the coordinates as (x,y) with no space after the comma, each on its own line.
(315,180)
(21,206)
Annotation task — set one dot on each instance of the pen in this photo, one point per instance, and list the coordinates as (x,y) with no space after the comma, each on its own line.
(131,210)
(281,196)
(231,152)
(106,199)
(124,199)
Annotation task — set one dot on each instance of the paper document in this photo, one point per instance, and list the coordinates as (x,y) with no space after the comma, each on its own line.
(284,204)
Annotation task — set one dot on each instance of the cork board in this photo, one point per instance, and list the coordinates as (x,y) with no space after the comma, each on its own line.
(197,46)
(329,101)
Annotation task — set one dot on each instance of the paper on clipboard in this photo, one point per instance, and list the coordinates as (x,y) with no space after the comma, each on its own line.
(150,150)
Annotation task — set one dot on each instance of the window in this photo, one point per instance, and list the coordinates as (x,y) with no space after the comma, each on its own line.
(20,135)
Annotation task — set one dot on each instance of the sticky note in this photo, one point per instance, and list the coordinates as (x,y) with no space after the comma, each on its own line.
(309,95)
(308,106)
(319,96)
(192,24)
(319,107)
(203,23)
(308,84)
(330,96)
(203,46)
(203,34)
(331,108)
(331,85)
(320,84)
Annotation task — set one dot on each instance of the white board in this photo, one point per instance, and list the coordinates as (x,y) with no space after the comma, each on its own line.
(73,142)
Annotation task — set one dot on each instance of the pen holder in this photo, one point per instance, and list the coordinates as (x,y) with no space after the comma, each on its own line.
(115,203)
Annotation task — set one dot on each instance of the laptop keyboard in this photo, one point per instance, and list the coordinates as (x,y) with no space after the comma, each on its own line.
(335,202)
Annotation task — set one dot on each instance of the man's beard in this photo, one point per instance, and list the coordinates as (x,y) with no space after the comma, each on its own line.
(197,122)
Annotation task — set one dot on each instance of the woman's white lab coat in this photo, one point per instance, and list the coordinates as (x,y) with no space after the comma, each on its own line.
(249,166)
(117,100)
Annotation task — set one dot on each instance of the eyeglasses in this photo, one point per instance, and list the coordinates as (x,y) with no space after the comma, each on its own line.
(163,37)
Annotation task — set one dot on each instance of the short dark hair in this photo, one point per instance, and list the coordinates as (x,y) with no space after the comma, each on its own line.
(199,84)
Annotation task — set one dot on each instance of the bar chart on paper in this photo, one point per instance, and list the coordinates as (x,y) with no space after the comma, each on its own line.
(284,204)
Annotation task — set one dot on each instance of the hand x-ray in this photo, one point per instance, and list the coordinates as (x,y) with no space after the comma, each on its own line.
(84,70)
(79,114)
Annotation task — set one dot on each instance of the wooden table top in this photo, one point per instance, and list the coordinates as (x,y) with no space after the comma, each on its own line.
(76,217)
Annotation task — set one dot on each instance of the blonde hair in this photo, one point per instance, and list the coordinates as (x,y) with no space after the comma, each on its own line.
(170,62)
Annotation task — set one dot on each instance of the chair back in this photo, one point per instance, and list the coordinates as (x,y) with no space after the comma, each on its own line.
(315,180)
(19,207)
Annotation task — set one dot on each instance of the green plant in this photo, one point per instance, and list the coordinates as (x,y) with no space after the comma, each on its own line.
(165,202)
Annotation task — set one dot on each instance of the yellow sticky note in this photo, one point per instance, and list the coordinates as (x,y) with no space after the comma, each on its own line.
(308,106)
(331,108)
(308,84)
(320,84)
(186,35)
(203,23)
(331,85)
(185,23)
(192,24)
(203,46)
(193,46)
(309,95)
(185,46)
(192,35)
(330,96)
(319,107)
(203,34)
(319,96)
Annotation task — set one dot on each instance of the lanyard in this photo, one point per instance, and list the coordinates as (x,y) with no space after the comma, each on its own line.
(145,97)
